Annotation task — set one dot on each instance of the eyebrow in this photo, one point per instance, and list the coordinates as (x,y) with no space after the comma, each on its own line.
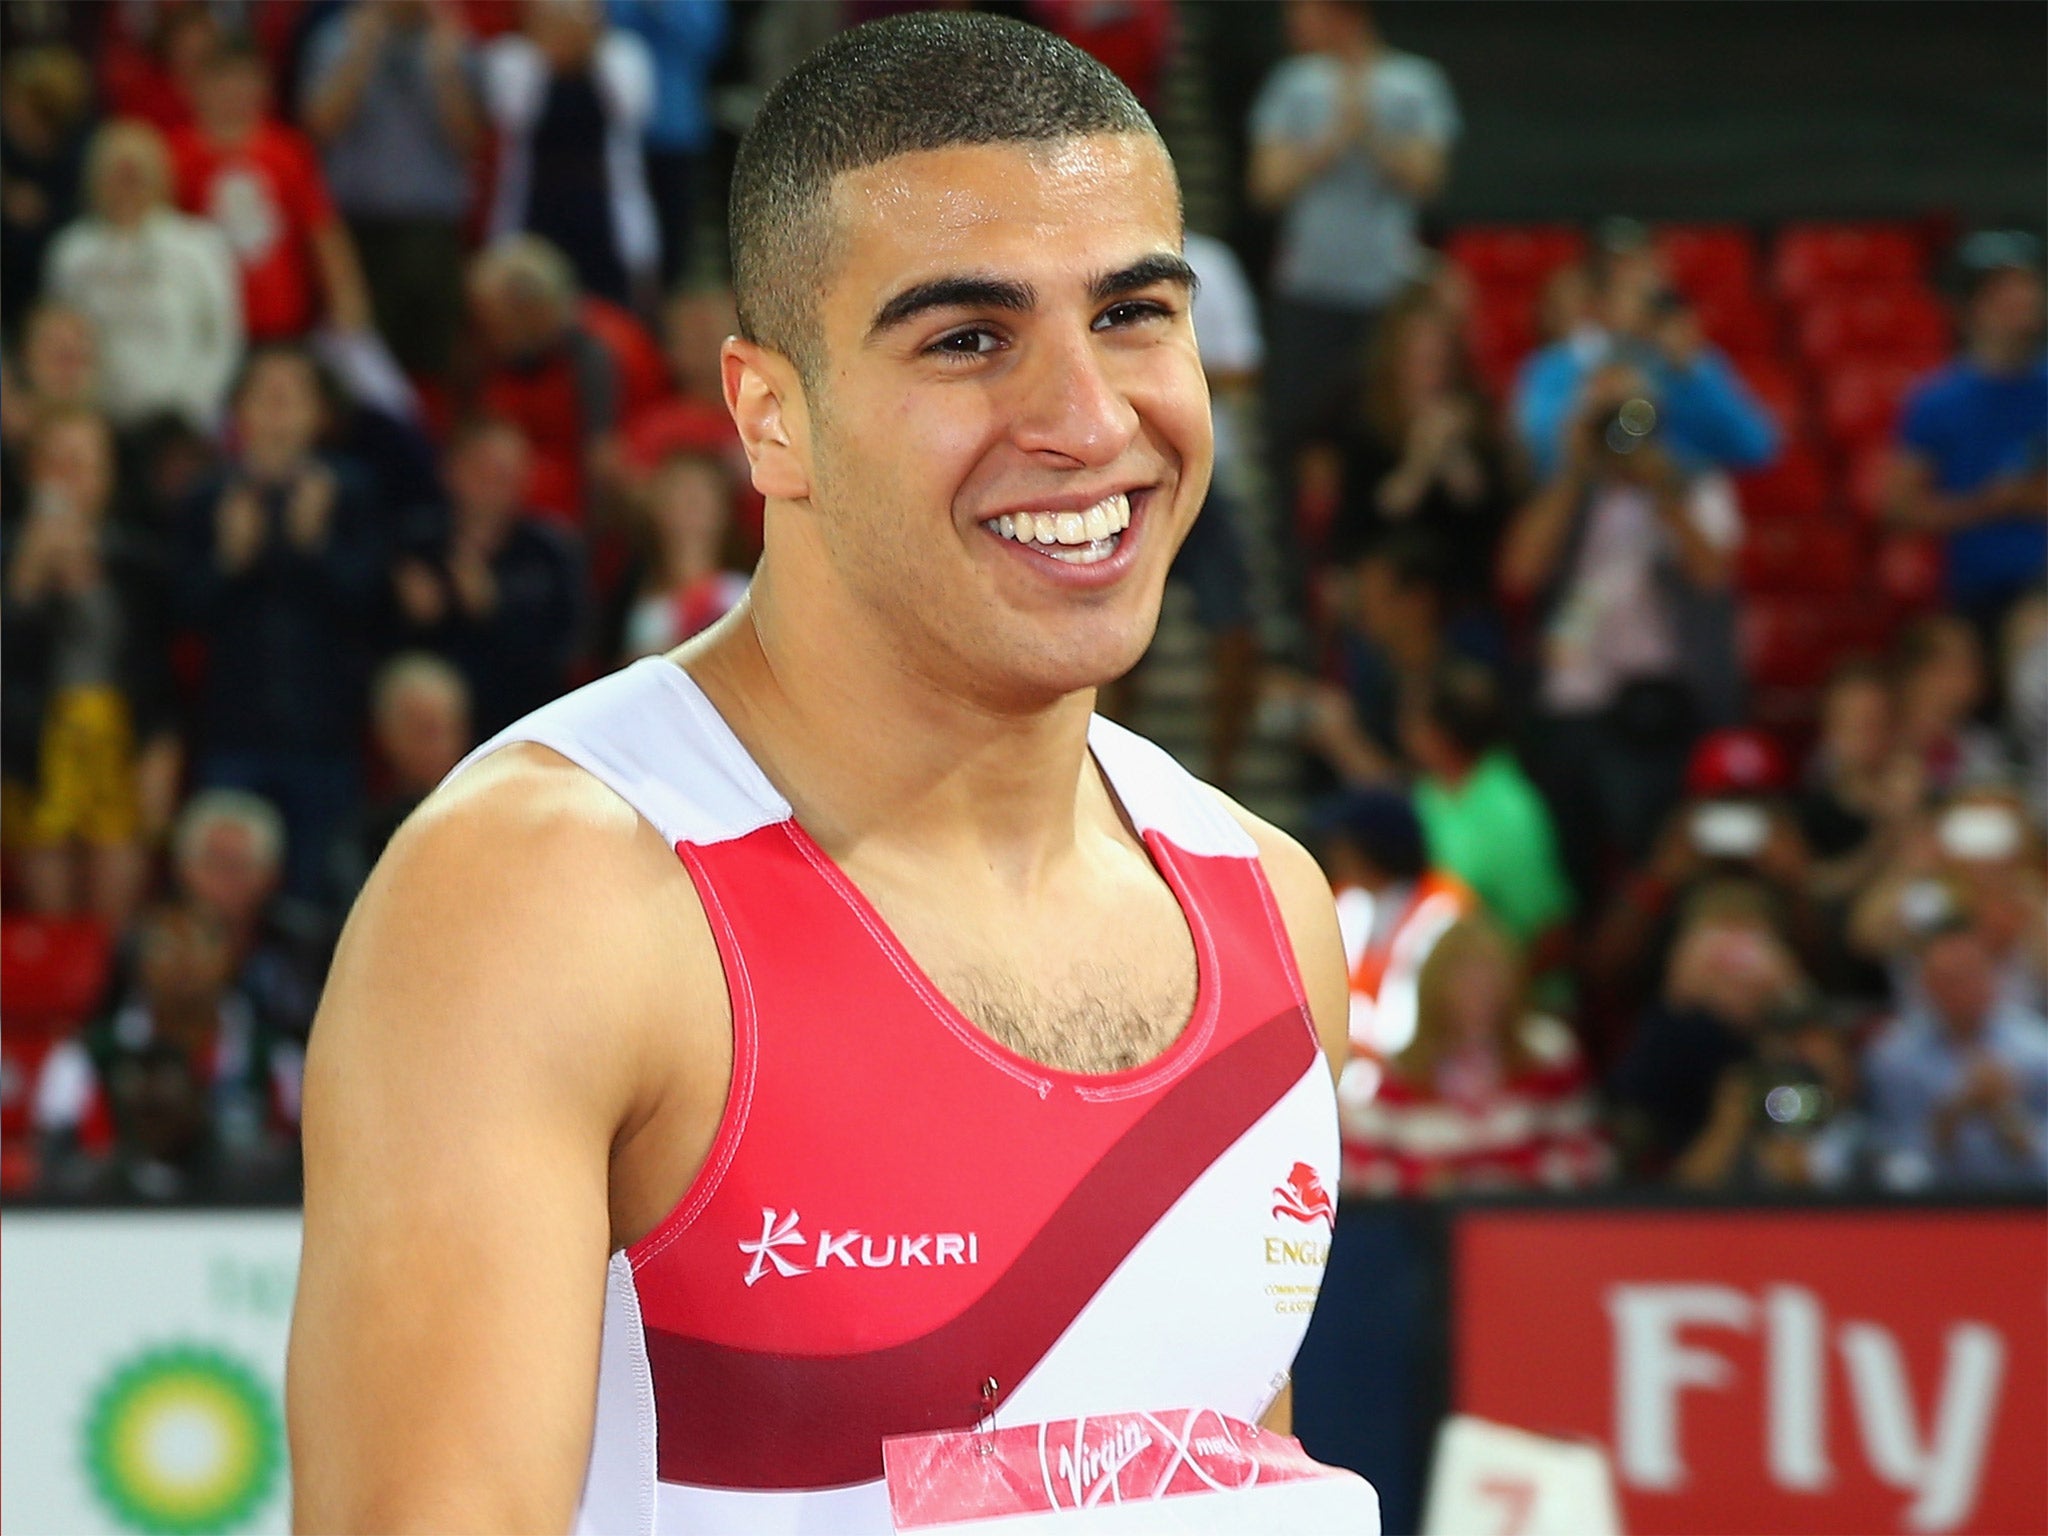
(968,291)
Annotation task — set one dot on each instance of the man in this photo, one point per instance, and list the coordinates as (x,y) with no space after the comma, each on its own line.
(1349,139)
(1708,418)
(1972,456)
(1959,1083)
(885,1103)
(390,94)
(261,186)
(499,589)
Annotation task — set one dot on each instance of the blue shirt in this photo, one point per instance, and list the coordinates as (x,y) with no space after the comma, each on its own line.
(1974,427)
(685,37)
(1708,419)
(1915,1066)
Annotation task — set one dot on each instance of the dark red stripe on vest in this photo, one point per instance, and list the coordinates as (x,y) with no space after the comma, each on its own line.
(740,1418)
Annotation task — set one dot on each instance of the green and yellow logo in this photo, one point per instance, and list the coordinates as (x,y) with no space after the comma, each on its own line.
(183,1440)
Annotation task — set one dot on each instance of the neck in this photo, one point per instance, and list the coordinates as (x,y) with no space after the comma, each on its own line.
(879,757)
(1999,354)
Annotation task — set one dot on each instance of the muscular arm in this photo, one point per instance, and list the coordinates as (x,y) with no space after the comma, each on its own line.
(1309,913)
(477,1059)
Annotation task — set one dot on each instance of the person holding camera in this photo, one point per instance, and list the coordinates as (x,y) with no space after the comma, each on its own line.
(1622,563)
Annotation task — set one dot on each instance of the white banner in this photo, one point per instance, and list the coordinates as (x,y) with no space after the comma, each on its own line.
(142,1371)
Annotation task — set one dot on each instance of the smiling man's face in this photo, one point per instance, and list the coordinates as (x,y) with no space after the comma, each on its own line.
(1009,430)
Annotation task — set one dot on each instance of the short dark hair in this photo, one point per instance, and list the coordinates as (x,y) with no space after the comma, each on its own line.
(904,84)
(1462,699)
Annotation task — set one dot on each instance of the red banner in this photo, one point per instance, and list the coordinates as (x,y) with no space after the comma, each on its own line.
(1772,1371)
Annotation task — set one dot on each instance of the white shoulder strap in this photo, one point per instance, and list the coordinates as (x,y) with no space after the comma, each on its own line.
(1160,795)
(652,736)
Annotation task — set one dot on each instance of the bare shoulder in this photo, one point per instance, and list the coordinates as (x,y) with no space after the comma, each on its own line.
(1309,912)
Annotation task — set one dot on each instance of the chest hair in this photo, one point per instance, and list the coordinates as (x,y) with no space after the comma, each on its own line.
(1093,1019)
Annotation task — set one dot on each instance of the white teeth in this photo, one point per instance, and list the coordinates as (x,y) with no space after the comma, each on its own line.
(1079,538)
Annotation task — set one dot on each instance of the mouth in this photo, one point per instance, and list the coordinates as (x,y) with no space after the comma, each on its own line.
(1089,536)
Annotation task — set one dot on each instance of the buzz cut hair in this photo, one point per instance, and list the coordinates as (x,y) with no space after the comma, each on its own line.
(904,84)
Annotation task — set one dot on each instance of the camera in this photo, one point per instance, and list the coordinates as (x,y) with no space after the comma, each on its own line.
(1629,425)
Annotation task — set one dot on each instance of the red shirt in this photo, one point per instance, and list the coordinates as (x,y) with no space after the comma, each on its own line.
(268,197)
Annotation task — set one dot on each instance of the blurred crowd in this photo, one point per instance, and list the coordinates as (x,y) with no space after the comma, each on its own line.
(1656,642)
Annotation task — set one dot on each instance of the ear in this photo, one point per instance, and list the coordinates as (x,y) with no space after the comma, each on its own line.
(766,399)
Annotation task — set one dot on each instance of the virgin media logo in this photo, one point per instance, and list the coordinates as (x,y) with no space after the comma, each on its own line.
(1664,1351)
(1138,1456)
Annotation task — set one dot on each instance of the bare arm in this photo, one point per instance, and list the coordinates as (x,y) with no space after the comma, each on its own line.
(1912,502)
(478,1053)
(332,104)
(1535,539)
(341,277)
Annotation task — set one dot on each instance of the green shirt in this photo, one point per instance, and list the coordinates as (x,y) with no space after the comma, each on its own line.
(1494,833)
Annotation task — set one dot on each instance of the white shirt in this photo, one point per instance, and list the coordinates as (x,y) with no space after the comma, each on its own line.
(166,302)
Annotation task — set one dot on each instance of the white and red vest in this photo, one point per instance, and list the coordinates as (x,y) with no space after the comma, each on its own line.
(897,1209)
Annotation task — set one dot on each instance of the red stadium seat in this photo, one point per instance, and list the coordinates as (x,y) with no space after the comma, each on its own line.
(1864,480)
(1738,322)
(1791,642)
(1708,258)
(1803,554)
(1795,485)
(1860,402)
(1811,257)
(1901,324)
(1515,256)
(1778,390)
(52,972)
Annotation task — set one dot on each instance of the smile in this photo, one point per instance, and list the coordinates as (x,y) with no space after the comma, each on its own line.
(1072,538)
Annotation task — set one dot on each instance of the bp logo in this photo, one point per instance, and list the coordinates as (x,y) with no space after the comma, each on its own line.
(183,1439)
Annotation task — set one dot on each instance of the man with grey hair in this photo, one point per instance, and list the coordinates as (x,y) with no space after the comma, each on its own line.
(831,1030)
(228,858)
(420,717)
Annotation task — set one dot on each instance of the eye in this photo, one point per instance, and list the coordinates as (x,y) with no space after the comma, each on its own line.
(1129,312)
(973,341)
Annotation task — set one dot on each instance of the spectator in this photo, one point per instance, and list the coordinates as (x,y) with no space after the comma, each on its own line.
(1389,638)
(1483,818)
(151,58)
(260,184)
(175,1136)
(1787,1120)
(1730,975)
(684,39)
(1624,562)
(160,288)
(390,94)
(1708,419)
(1959,1082)
(498,596)
(546,372)
(2026,698)
(1941,688)
(45,95)
(571,99)
(282,566)
(89,714)
(1417,454)
(59,372)
(1487,1096)
(690,416)
(1971,462)
(688,576)
(1733,825)
(227,856)
(1977,857)
(419,714)
(1349,138)
(1391,909)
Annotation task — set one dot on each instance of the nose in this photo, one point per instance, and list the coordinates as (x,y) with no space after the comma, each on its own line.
(1070,407)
